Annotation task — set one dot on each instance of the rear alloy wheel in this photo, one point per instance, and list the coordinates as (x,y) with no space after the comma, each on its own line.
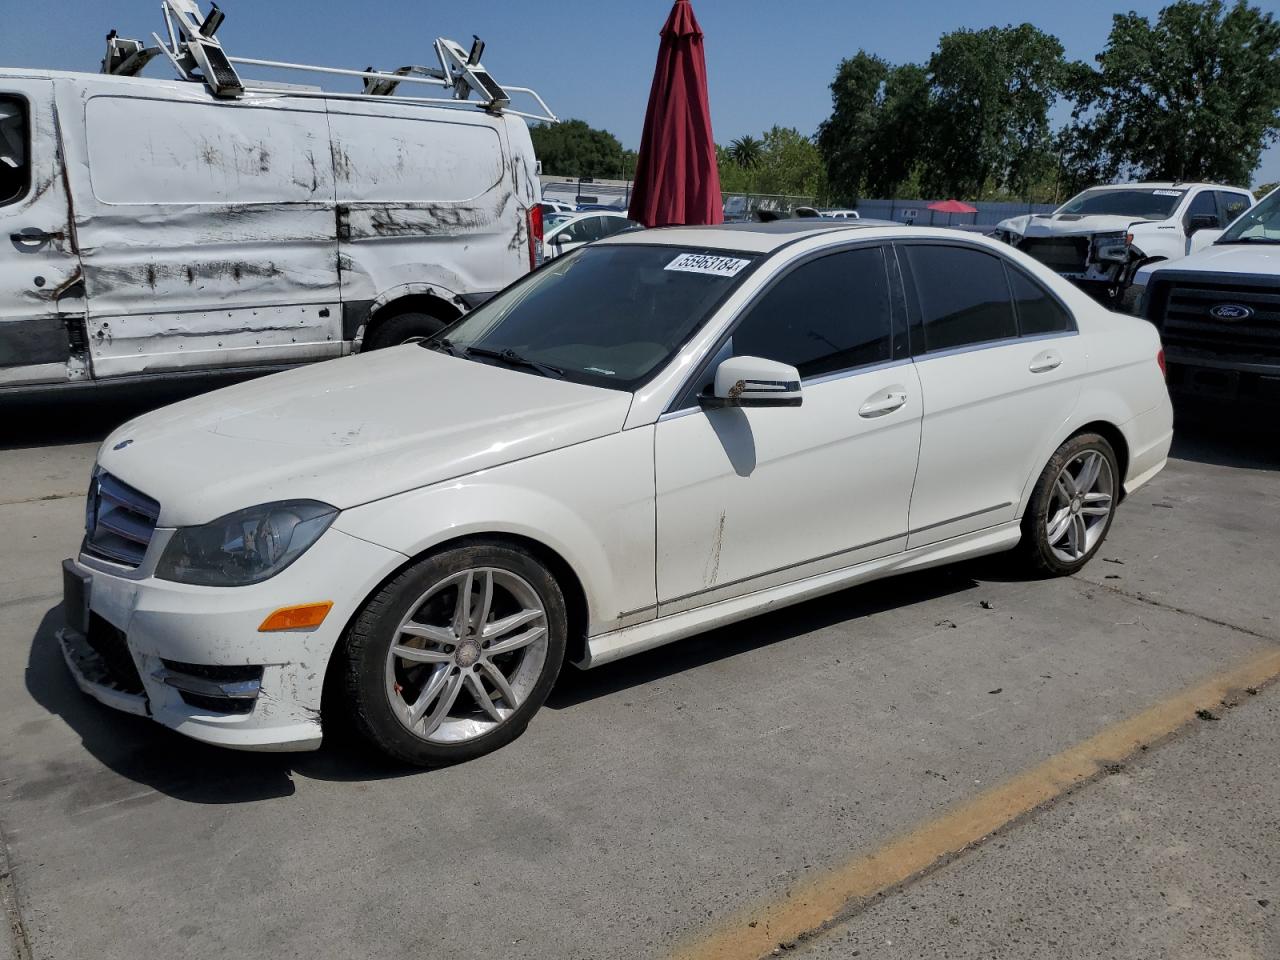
(452,659)
(401,329)
(1072,505)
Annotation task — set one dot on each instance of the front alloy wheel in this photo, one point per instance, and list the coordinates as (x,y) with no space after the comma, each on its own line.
(452,658)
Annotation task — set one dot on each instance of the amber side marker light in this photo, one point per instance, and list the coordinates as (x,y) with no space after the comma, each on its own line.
(303,617)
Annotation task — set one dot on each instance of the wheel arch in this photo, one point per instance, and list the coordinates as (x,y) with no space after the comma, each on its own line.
(1119,443)
(575,598)
(413,298)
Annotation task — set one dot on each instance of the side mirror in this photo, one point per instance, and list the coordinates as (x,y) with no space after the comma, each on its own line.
(1203,221)
(754,382)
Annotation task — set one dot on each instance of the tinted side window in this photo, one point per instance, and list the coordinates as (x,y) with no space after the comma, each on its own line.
(824,316)
(1038,312)
(15,158)
(1232,205)
(964,296)
(1202,205)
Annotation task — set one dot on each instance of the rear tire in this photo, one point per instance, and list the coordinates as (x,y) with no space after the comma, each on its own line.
(451,659)
(1072,506)
(403,328)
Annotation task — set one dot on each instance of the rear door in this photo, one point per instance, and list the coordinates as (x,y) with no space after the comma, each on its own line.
(1000,366)
(41,296)
(206,226)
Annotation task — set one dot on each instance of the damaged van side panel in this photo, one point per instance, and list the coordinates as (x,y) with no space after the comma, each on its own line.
(206,229)
(425,203)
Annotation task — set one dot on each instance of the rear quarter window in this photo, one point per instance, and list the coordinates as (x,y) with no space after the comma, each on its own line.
(1038,311)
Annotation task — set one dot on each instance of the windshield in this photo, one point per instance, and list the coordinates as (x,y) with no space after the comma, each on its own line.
(550,220)
(1153,204)
(1258,225)
(608,315)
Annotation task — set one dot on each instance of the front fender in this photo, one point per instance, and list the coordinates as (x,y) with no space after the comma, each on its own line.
(592,504)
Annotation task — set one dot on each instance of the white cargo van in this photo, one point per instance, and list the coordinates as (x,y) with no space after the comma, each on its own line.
(159,228)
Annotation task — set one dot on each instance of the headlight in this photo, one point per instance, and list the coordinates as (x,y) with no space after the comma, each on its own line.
(244,547)
(1111,246)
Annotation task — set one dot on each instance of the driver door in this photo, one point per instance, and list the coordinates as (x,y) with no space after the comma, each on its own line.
(751,498)
(41,294)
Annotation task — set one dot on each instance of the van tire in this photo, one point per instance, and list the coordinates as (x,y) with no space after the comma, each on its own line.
(412,327)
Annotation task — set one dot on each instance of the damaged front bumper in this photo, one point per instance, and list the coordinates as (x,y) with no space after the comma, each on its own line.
(1101,260)
(192,659)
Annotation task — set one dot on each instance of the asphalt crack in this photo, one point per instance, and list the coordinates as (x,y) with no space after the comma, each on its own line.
(9,902)
(1173,608)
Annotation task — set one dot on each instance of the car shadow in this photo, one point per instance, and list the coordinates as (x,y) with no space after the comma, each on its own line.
(724,643)
(156,757)
(1216,435)
(89,414)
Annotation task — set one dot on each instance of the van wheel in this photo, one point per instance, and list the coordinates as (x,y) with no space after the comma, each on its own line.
(452,658)
(403,328)
(1072,506)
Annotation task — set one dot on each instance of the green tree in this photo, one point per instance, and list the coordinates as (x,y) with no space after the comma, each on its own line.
(991,94)
(845,138)
(901,132)
(746,151)
(1263,190)
(572,148)
(1194,96)
(788,163)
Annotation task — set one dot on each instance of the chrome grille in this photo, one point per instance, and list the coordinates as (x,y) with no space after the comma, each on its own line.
(119,521)
(1182,313)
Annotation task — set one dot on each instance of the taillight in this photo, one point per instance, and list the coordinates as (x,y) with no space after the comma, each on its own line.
(1164,372)
(535,237)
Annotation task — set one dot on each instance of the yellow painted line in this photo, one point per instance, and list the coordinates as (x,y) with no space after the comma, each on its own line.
(812,904)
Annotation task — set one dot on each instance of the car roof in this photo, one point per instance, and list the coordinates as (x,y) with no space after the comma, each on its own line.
(1164,185)
(765,237)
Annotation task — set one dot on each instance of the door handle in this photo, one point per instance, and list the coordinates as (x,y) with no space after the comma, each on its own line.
(879,406)
(35,236)
(1044,362)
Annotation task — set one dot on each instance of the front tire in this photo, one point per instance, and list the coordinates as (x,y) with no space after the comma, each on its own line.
(1072,506)
(452,658)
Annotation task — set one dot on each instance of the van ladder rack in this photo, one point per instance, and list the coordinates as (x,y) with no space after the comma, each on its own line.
(197,55)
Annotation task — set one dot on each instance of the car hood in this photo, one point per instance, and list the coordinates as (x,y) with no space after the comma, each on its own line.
(1223,258)
(350,431)
(1066,225)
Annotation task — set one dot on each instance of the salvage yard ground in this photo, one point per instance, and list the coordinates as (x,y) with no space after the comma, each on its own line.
(695,799)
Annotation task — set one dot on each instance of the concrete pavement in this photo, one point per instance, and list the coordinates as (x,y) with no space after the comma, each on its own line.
(654,797)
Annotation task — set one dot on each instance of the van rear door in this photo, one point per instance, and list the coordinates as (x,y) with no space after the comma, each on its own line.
(41,296)
(207,227)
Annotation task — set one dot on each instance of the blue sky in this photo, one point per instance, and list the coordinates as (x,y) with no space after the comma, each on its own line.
(769,61)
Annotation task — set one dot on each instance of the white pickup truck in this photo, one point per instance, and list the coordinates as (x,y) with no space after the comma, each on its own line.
(1101,237)
(1218,311)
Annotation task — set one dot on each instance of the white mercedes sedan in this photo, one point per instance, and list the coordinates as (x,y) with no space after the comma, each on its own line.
(655,435)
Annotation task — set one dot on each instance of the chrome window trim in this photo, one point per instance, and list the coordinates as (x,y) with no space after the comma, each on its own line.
(992,344)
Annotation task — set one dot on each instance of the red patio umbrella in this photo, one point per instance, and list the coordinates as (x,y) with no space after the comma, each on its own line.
(952,206)
(677,180)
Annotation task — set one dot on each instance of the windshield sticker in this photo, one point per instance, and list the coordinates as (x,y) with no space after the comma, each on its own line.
(701,263)
(1167,193)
